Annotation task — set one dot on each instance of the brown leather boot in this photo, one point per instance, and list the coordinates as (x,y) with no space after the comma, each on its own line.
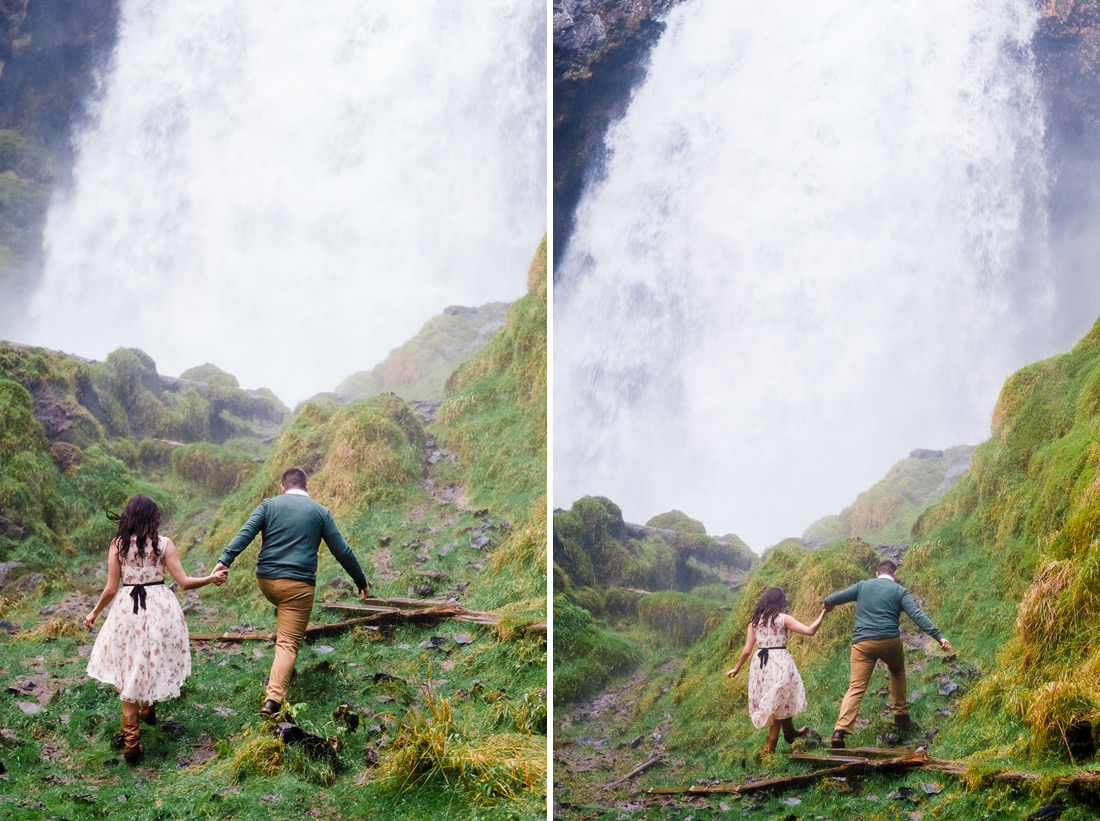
(148,713)
(131,734)
(790,733)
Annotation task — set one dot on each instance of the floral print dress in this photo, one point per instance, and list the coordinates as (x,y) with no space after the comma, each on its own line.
(775,688)
(144,654)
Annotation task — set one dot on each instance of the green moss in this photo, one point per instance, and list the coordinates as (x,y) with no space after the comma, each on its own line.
(419,368)
(678,521)
(211,375)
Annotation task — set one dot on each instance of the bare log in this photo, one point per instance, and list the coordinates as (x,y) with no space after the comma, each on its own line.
(645,765)
(858,766)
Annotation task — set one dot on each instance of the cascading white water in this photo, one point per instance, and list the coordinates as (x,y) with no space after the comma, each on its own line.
(290,191)
(817,244)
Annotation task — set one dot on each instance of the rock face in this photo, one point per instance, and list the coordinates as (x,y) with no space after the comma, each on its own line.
(600,54)
(47,53)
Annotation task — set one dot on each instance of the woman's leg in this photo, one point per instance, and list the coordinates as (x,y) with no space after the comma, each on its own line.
(131,732)
(790,733)
(773,737)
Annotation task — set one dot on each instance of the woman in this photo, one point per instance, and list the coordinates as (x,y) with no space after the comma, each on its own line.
(776,693)
(143,647)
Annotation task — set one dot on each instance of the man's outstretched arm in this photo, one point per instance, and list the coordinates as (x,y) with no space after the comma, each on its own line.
(848,594)
(339,548)
(922,621)
(244,537)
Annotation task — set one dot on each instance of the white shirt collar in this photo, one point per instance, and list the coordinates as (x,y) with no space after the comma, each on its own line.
(879,576)
(298,490)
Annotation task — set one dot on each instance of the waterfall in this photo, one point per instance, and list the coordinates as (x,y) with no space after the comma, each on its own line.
(291,191)
(818,242)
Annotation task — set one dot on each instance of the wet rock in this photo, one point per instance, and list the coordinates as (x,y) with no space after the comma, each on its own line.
(224,711)
(433,643)
(323,648)
(462,638)
(1047,812)
(314,745)
(901,793)
(437,575)
(479,541)
(28,707)
(173,728)
(421,590)
(889,739)
(370,757)
(28,584)
(462,585)
(930,788)
(443,551)
(7,569)
(8,627)
(636,742)
(914,696)
(948,687)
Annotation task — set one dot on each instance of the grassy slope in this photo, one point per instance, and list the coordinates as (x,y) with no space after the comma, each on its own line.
(1006,564)
(419,368)
(474,740)
(885,513)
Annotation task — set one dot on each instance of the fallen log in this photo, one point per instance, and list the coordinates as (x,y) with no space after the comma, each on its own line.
(645,765)
(426,615)
(855,767)
(411,606)
(959,768)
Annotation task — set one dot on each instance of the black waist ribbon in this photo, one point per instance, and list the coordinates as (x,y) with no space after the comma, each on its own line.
(763,653)
(137,593)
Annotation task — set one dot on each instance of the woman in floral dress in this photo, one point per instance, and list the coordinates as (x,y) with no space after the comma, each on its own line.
(142,648)
(776,693)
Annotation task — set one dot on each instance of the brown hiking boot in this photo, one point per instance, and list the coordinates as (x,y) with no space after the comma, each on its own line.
(905,724)
(270,708)
(131,734)
(837,741)
(148,713)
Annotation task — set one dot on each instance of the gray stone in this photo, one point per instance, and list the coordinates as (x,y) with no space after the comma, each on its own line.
(29,707)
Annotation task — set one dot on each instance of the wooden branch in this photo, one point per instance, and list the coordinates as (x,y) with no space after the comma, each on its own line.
(427,615)
(645,765)
(383,611)
(855,767)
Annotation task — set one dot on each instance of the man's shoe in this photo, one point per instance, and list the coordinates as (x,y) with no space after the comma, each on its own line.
(837,741)
(905,724)
(270,708)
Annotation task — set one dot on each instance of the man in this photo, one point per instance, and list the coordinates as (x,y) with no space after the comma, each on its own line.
(293,526)
(877,635)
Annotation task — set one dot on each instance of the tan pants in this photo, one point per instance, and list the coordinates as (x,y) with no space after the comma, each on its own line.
(293,602)
(864,656)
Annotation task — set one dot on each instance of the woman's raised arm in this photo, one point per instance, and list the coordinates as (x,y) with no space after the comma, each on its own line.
(175,567)
(795,626)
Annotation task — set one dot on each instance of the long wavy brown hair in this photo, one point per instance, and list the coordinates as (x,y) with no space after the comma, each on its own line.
(138,524)
(771,604)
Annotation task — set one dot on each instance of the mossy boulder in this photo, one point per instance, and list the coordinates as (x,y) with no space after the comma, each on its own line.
(211,375)
(677,520)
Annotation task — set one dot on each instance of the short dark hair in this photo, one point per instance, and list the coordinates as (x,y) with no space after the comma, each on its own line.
(294,478)
(886,566)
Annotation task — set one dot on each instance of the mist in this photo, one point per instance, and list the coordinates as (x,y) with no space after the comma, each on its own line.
(290,193)
(821,239)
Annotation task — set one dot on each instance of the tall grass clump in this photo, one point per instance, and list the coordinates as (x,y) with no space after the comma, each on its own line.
(586,654)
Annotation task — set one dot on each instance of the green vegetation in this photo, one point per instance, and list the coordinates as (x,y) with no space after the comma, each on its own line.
(415,730)
(886,512)
(1006,565)
(25,177)
(419,368)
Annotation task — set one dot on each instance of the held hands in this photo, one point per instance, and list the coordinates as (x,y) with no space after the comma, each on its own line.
(218,578)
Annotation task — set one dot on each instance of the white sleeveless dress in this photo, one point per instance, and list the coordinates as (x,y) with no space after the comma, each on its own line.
(775,688)
(145,655)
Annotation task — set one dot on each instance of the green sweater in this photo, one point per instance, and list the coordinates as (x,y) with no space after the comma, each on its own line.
(293,526)
(879,603)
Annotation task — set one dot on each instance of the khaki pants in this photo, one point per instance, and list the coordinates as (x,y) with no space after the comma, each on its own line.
(864,656)
(293,602)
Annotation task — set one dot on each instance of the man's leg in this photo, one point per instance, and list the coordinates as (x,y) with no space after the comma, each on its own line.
(293,602)
(893,654)
(863,662)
